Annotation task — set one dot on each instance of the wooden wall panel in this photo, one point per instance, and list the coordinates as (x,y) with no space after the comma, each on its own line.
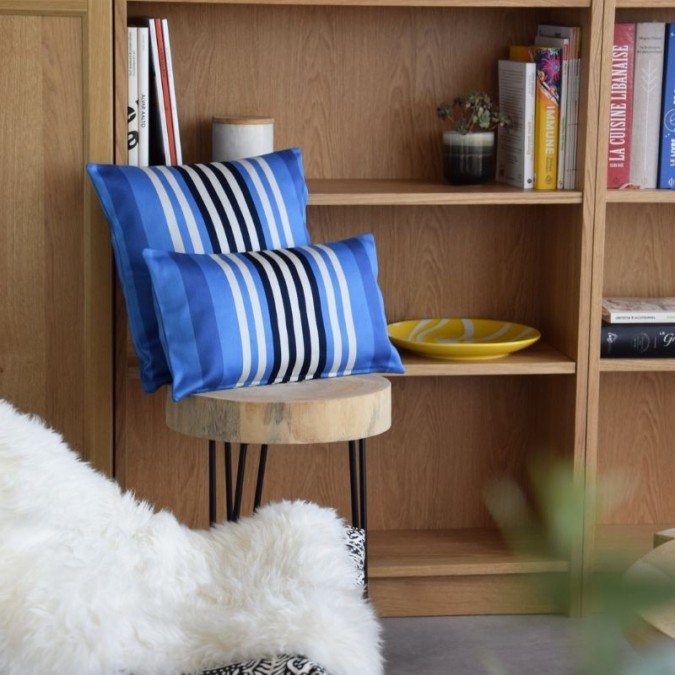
(55,270)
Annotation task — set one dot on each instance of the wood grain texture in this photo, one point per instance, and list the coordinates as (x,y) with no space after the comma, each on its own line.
(314,411)
(54,269)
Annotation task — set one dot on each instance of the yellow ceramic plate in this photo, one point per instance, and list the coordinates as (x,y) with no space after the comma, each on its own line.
(462,339)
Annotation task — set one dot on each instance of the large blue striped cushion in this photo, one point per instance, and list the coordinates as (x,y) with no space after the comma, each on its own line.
(247,205)
(242,319)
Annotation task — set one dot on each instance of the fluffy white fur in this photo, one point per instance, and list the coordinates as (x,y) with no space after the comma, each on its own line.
(92,582)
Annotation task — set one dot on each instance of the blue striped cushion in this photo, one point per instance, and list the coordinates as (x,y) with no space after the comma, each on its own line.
(242,319)
(247,205)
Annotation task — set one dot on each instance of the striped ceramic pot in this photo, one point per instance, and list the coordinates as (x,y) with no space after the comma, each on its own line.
(468,159)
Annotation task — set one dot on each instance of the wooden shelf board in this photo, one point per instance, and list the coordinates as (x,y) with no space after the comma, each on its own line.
(511,4)
(652,4)
(641,196)
(325,192)
(637,365)
(539,359)
(440,553)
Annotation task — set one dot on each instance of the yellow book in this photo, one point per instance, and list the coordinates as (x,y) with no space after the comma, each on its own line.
(548,62)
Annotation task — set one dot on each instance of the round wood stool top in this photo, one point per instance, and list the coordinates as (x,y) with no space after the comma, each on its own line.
(657,624)
(314,411)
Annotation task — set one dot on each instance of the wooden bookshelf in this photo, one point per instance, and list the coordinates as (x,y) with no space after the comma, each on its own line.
(356,85)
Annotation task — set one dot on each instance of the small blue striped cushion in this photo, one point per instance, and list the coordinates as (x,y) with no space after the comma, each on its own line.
(247,205)
(243,319)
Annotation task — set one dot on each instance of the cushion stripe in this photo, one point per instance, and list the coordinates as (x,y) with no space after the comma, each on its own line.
(248,209)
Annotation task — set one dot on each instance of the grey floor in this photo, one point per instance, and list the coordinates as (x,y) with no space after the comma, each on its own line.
(501,645)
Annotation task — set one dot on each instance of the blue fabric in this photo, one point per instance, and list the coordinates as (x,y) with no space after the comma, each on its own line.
(247,205)
(244,319)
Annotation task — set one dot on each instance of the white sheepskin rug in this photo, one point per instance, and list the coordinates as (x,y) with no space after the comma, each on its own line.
(92,582)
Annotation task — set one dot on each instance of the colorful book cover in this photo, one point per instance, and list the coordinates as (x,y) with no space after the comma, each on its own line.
(647,86)
(621,106)
(515,149)
(667,150)
(548,62)
(637,341)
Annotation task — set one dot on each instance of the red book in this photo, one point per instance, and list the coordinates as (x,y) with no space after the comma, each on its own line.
(164,73)
(621,106)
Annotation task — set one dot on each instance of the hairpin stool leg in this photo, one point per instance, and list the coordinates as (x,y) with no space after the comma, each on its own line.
(261,477)
(212,482)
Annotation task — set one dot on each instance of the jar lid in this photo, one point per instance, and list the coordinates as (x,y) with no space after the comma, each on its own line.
(242,119)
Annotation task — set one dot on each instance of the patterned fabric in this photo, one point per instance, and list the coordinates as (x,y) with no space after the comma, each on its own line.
(243,319)
(356,545)
(247,205)
(278,665)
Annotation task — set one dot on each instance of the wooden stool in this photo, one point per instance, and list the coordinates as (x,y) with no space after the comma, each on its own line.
(315,411)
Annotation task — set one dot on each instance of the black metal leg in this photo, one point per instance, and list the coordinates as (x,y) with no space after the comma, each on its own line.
(228,480)
(212,482)
(364,509)
(354,484)
(241,470)
(261,477)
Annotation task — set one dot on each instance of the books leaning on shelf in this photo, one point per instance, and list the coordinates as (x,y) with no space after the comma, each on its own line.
(132,95)
(156,130)
(638,310)
(646,340)
(515,148)
(666,177)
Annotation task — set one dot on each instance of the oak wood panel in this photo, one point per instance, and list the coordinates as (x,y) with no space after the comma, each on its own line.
(618,546)
(405,3)
(636,425)
(434,596)
(637,365)
(55,265)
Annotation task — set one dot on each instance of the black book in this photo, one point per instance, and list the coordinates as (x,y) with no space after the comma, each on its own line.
(633,340)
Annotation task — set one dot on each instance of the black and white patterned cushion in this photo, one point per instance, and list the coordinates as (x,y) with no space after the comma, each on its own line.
(279,665)
(356,545)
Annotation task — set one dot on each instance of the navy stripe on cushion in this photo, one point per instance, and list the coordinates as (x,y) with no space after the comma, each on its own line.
(248,205)
(271,316)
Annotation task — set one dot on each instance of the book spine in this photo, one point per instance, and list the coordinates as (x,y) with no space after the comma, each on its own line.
(165,101)
(132,96)
(621,106)
(172,92)
(547,116)
(159,138)
(572,126)
(143,96)
(638,341)
(648,75)
(619,316)
(666,178)
(515,149)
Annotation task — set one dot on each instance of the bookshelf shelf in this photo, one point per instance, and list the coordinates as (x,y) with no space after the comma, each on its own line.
(549,4)
(426,193)
(641,196)
(637,365)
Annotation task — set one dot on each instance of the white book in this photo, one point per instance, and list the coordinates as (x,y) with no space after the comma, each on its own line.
(638,310)
(647,82)
(132,96)
(143,96)
(515,147)
(564,43)
(172,91)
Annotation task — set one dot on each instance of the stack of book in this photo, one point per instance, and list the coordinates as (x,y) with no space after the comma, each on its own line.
(638,328)
(152,117)
(539,89)
(642,107)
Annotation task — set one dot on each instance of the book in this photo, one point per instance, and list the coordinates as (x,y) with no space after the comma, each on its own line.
(621,106)
(143,96)
(638,310)
(573,35)
(132,96)
(666,177)
(515,148)
(548,62)
(655,340)
(177,156)
(159,152)
(564,44)
(647,83)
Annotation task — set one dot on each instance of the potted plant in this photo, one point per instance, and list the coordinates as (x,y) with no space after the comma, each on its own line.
(469,142)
